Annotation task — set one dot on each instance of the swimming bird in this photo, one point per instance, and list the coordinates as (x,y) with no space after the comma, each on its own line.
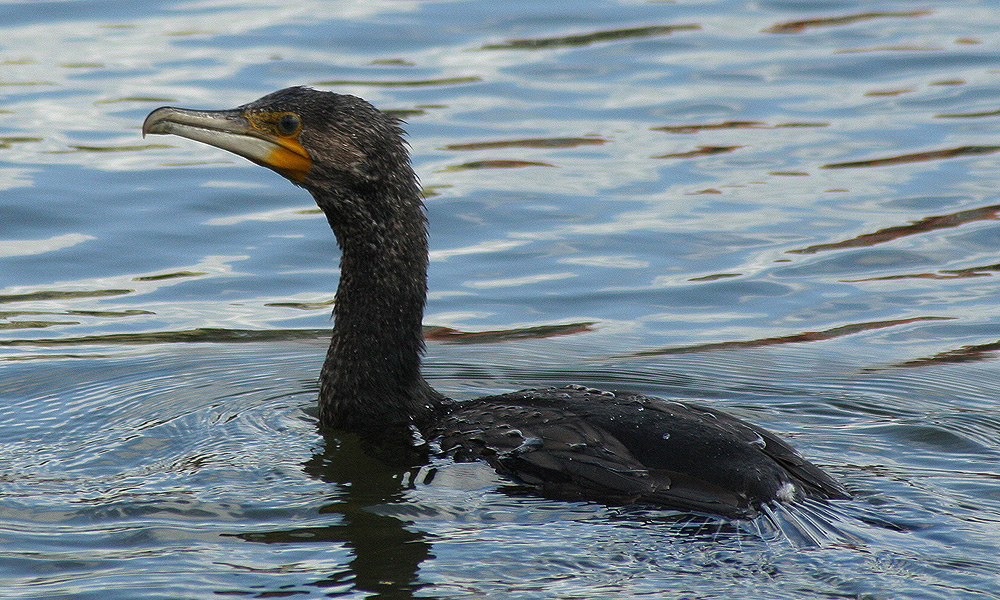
(571,442)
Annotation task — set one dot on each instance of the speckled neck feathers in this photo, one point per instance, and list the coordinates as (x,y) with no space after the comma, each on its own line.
(363,181)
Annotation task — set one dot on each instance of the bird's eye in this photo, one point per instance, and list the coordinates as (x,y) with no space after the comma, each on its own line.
(288,124)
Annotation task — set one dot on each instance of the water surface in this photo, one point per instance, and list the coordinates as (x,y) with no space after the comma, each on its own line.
(784,209)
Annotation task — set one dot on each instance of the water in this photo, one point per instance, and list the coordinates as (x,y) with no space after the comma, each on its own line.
(797,224)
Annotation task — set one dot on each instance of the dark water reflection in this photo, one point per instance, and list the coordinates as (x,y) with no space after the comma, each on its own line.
(386,554)
(785,209)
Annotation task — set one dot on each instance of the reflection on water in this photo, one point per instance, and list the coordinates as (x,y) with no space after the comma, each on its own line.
(800,26)
(918,157)
(806,336)
(671,197)
(585,39)
(892,233)
(386,555)
(530,143)
(400,83)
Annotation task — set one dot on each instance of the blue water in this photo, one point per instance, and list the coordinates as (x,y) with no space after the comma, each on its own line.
(797,224)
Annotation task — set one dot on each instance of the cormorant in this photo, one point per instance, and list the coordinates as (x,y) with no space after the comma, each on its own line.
(568,443)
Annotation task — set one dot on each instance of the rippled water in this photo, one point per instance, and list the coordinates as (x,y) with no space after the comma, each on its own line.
(786,209)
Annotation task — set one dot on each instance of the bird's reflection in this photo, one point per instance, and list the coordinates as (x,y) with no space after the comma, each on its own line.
(387,554)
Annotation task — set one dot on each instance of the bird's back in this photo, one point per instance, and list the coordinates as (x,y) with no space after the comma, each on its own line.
(624,447)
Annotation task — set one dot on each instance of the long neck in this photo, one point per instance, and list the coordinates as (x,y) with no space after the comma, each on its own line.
(371,377)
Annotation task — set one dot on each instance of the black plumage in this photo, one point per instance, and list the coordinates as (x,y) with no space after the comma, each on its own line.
(572,442)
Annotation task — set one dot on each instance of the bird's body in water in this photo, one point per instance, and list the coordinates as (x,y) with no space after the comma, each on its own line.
(571,442)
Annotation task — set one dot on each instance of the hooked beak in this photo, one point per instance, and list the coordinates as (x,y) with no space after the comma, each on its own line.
(232,131)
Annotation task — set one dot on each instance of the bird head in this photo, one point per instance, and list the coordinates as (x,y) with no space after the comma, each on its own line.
(311,137)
